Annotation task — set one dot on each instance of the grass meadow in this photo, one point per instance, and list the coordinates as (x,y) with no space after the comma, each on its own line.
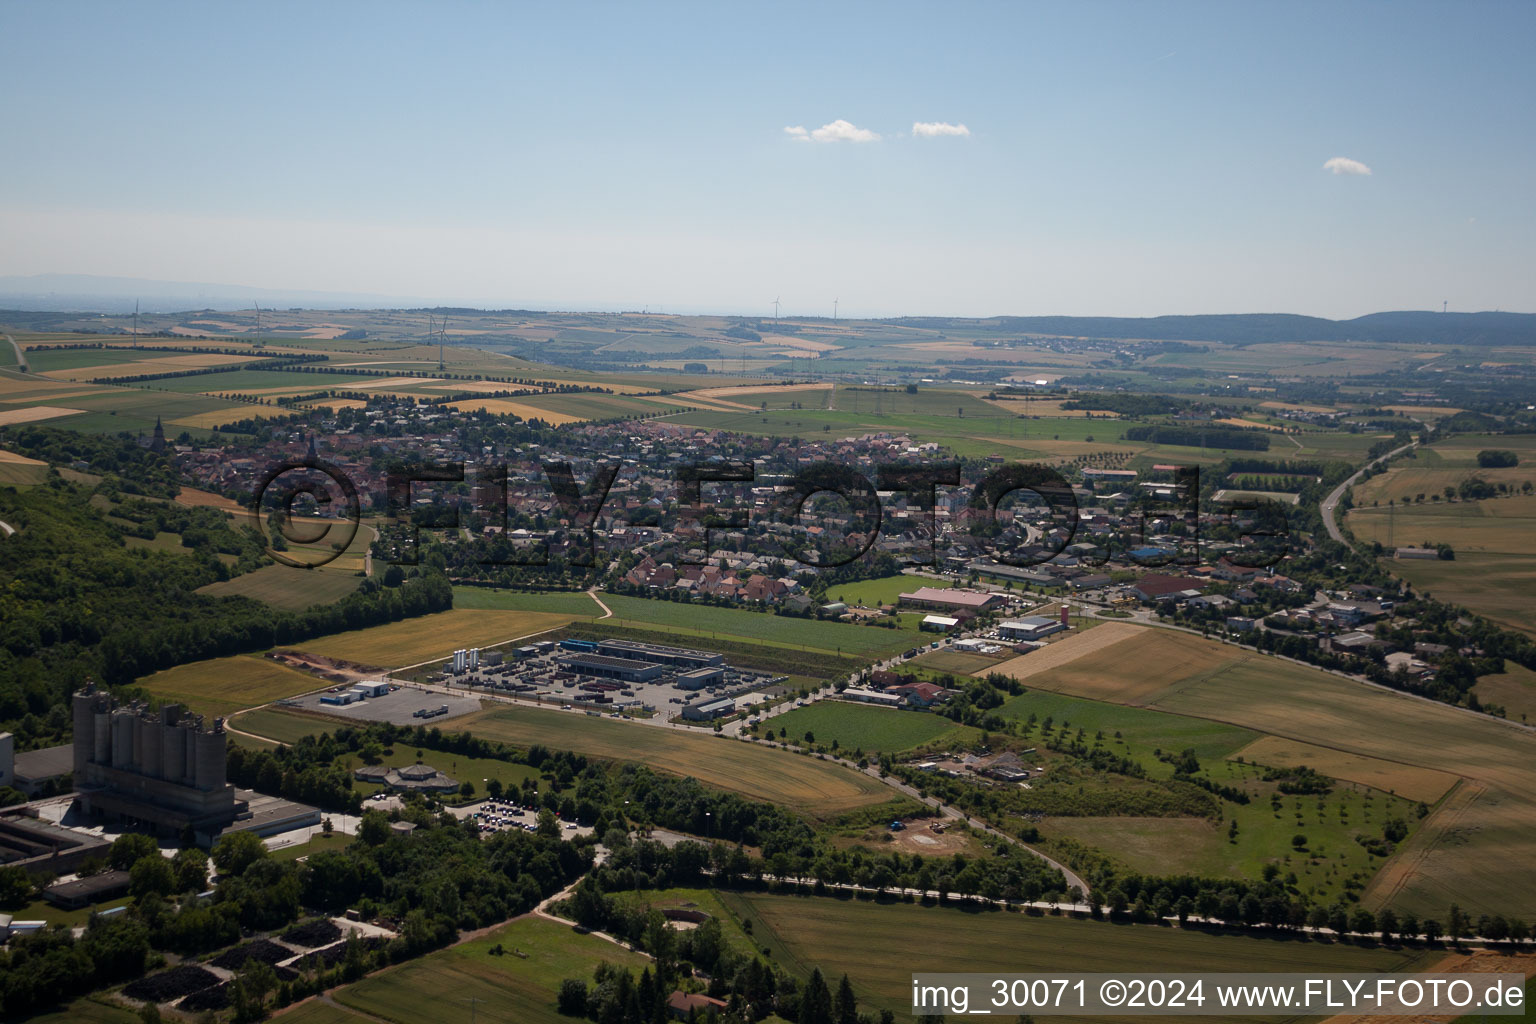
(870,729)
(880,945)
(221,686)
(803,783)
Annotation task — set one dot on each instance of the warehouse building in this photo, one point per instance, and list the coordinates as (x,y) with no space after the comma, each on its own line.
(953,600)
(677,657)
(1034,627)
(710,710)
(628,669)
(699,678)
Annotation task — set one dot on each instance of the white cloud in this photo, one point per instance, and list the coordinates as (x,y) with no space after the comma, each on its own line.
(1344,165)
(932,129)
(835,131)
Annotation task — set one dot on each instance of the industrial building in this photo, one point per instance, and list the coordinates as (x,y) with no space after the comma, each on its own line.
(708,710)
(35,772)
(162,770)
(863,696)
(44,848)
(1032,628)
(677,657)
(610,667)
(699,678)
(953,599)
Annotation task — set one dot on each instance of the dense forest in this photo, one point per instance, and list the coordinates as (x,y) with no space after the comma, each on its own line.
(77,602)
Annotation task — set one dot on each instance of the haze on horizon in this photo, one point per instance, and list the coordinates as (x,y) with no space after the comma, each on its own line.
(1111,160)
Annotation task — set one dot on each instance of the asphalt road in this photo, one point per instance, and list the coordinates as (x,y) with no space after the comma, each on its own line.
(1331,503)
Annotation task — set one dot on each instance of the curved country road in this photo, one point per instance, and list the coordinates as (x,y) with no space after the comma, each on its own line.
(1331,503)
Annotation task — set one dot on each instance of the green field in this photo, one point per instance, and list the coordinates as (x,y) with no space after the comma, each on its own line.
(21,474)
(313,1011)
(1138,731)
(224,685)
(287,587)
(429,637)
(283,726)
(702,620)
(466,983)
(1514,689)
(757,772)
(575,604)
(884,590)
(870,729)
(88,1011)
(879,946)
(51,360)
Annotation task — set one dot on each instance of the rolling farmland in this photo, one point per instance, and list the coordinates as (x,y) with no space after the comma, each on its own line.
(1474,846)
(429,637)
(224,685)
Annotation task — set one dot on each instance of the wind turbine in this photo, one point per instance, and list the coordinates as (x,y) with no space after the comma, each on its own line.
(775,309)
(135,320)
(834,309)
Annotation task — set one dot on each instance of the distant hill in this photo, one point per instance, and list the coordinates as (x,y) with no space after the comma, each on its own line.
(77,293)
(47,297)
(1414,326)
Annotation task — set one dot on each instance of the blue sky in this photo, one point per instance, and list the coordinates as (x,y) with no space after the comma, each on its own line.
(1121,159)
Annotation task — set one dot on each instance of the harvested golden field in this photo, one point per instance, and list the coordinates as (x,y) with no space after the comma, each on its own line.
(505,406)
(219,417)
(430,637)
(1115,661)
(396,382)
(1289,407)
(34,414)
(194,498)
(1237,422)
(20,460)
(1412,781)
(225,685)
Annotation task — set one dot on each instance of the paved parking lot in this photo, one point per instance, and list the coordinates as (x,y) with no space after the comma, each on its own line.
(661,695)
(503,815)
(398,707)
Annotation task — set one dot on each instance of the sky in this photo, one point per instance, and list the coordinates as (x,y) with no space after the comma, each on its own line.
(967,159)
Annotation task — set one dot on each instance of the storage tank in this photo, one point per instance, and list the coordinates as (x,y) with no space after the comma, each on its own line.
(101,727)
(122,738)
(189,753)
(85,731)
(173,754)
(147,753)
(211,758)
